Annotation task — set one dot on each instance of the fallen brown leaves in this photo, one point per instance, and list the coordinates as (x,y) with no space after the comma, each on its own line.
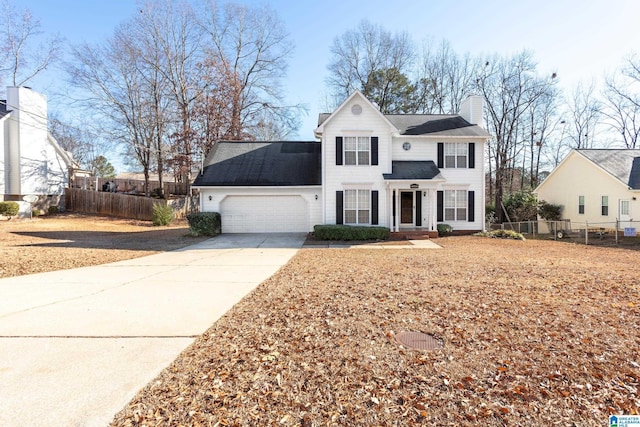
(67,241)
(535,333)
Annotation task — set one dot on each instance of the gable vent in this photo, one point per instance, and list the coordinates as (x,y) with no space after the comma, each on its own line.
(356,109)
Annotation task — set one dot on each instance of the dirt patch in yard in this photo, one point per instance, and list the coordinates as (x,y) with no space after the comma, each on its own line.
(535,333)
(67,241)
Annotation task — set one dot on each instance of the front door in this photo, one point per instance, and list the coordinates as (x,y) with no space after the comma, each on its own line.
(406,207)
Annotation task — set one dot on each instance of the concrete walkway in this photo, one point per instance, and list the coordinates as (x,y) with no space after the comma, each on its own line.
(76,345)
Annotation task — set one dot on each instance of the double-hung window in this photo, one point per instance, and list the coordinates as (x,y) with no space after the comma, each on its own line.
(357,206)
(357,150)
(455,205)
(580,204)
(605,205)
(456,154)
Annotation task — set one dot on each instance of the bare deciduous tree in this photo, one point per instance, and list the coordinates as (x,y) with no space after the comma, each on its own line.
(622,102)
(585,111)
(253,45)
(510,87)
(372,60)
(444,79)
(20,59)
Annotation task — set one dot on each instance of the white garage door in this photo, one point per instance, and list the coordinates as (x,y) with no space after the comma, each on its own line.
(264,214)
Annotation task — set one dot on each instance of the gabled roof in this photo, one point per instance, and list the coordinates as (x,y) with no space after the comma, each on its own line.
(413,170)
(621,164)
(617,162)
(326,117)
(282,163)
(423,124)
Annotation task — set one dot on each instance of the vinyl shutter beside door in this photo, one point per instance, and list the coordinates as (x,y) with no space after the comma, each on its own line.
(440,204)
(418,208)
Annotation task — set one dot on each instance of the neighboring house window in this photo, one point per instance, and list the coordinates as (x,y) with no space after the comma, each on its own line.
(455,205)
(357,206)
(605,205)
(581,204)
(458,155)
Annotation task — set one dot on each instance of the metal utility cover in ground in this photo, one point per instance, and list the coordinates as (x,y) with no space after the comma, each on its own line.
(419,341)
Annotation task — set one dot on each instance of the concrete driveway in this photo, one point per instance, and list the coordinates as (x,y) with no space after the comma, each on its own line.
(76,345)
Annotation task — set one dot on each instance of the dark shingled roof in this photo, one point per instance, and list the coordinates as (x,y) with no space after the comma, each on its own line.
(412,170)
(618,162)
(3,108)
(428,124)
(262,164)
(634,177)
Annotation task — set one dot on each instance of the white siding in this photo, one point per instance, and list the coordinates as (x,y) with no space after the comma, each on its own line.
(335,177)
(371,123)
(577,176)
(32,165)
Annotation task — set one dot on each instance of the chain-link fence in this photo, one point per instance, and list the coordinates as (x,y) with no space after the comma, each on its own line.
(615,232)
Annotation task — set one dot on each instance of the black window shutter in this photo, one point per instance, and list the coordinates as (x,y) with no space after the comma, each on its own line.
(472,155)
(418,208)
(471,197)
(440,154)
(440,206)
(338,150)
(374,150)
(339,211)
(374,207)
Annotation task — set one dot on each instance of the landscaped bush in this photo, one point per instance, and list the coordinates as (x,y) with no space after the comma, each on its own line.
(549,211)
(502,234)
(444,229)
(350,232)
(9,208)
(53,210)
(204,223)
(162,214)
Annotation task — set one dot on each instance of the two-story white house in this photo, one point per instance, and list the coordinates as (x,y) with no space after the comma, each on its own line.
(31,160)
(409,171)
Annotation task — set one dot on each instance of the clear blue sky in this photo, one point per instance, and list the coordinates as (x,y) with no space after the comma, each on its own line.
(578,39)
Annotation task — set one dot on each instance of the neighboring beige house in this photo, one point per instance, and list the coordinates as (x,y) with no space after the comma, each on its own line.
(596,186)
(400,171)
(31,160)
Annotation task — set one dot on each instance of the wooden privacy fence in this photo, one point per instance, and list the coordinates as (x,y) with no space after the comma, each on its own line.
(132,186)
(110,204)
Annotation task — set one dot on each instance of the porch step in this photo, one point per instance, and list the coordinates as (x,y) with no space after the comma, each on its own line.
(413,235)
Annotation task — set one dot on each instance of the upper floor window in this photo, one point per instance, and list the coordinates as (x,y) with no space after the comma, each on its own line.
(456,155)
(357,150)
(581,204)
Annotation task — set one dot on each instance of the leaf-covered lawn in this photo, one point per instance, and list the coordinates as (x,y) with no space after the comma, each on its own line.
(535,333)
